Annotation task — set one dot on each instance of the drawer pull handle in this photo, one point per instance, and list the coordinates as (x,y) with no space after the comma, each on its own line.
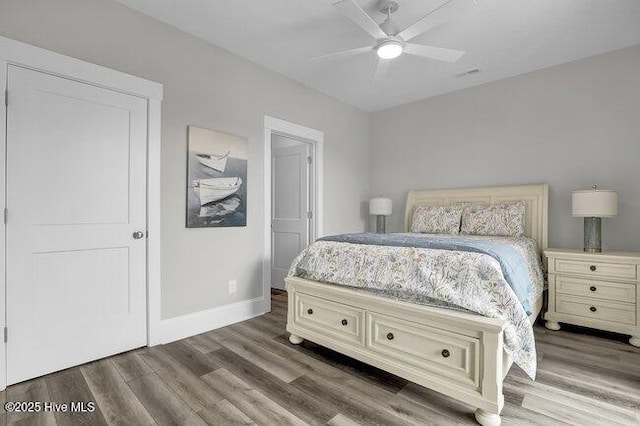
(310,311)
(593,309)
(345,322)
(390,336)
(446,353)
(592,267)
(593,288)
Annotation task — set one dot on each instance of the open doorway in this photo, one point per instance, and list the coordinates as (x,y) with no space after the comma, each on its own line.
(293,195)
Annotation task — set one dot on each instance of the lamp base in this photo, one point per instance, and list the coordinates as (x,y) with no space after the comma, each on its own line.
(380,224)
(593,234)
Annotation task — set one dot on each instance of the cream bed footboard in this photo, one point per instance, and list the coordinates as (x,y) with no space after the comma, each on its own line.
(455,353)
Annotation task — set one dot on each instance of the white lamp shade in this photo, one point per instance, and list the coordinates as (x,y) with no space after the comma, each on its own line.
(380,206)
(594,203)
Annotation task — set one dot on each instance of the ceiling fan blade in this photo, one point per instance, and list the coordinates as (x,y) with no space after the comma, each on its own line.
(354,12)
(344,53)
(439,53)
(423,24)
(381,68)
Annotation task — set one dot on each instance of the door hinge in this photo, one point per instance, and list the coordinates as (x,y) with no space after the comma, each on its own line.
(309,215)
(6,98)
(309,159)
(6,334)
(6,215)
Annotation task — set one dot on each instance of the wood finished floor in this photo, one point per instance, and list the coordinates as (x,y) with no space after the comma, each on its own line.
(249,374)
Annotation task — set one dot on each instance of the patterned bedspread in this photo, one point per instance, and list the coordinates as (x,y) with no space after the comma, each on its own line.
(464,280)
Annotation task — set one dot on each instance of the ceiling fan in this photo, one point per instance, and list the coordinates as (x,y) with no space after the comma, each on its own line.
(392,42)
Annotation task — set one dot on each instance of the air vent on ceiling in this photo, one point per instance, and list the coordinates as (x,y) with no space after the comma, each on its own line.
(468,72)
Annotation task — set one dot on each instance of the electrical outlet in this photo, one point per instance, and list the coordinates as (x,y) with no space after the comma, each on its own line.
(232,286)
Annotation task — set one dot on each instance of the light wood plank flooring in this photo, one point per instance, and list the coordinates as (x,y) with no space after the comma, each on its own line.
(249,374)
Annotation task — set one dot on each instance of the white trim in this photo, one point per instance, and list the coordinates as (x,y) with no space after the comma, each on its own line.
(3,205)
(154,278)
(274,125)
(293,129)
(43,60)
(27,56)
(177,328)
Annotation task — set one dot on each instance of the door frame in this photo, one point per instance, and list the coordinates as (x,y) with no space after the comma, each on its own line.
(27,56)
(315,138)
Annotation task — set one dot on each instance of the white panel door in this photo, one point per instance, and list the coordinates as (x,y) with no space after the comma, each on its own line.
(289,207)
(76,194)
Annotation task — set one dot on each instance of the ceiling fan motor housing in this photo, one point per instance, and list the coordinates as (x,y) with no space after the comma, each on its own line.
(389,26)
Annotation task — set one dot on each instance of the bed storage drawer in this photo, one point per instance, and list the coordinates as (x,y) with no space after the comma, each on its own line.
(440,351)
(596,269)
(343,322)
(596,309)
(594,288)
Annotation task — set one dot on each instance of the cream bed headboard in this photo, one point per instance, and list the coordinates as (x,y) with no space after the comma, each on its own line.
(536,197)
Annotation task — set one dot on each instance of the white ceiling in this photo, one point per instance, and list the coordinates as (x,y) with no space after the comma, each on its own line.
(501,37)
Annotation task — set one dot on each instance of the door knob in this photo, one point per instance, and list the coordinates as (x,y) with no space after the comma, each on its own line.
(138,235)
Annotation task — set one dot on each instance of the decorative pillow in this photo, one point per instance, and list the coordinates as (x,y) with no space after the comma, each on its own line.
(498,219)
(436,219)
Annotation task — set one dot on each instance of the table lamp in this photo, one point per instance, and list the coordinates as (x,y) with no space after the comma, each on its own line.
(593,205)
(381,207)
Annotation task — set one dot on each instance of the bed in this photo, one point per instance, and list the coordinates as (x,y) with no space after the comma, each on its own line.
(453,351)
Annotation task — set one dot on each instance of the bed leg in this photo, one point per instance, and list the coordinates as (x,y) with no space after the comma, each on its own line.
(296,340)
(486,418)
(552,325)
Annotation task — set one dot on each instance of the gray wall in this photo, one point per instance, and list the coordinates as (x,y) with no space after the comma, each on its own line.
(208,87)
(569,126)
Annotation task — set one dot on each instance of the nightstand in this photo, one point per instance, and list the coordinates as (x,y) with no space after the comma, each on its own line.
(597,290)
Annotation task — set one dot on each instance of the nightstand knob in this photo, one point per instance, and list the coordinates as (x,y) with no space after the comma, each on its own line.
(446,353)
(593,288)
(310,311)
(592,267)
(345,322)
(390,336)
(593,309)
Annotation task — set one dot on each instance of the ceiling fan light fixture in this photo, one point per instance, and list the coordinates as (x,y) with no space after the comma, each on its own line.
(389,49)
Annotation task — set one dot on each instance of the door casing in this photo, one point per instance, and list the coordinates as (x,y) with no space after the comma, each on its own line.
(23,55)
(315,138)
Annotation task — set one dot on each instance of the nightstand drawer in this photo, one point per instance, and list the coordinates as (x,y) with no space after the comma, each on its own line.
(595,289)
(596,309)
(596,269)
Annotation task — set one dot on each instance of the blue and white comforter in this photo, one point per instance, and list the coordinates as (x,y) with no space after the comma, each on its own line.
(498,277)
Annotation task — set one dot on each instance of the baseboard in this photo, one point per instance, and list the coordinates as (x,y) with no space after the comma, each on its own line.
(177,328)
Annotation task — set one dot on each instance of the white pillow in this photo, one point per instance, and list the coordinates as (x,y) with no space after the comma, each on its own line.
(499,219)
(436,219)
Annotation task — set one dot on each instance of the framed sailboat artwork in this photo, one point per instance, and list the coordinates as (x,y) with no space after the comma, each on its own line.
(216,179)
